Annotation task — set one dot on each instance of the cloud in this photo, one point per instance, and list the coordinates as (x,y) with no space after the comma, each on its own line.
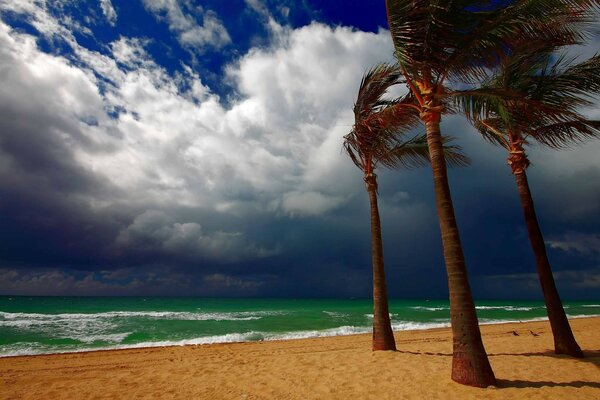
(229,282)
(154,231)
(141,166)
(109,11)
(160,136)
(586,244)
(110,161)
(182,19)
(127,282)
(309,203)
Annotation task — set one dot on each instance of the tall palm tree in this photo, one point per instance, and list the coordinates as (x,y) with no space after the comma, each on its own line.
(371,142)
(544,94)
(379,137)
(437,41)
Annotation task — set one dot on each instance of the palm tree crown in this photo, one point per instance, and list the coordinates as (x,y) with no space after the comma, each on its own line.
(380,135)
(544,95)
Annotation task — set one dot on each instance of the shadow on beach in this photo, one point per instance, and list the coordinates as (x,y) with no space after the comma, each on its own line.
(505,383)
(590,356)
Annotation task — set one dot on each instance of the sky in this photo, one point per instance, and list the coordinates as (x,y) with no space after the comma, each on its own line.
(180,147)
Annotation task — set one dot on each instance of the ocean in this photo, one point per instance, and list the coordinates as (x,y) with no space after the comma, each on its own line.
(43,325)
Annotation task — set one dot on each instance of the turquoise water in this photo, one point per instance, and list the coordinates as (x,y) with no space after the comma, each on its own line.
(38,325)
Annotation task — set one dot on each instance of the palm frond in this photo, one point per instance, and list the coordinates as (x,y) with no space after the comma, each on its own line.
(567,85)
(414,152)
(494,131)
(565,134)
(481,102)
(555,23)
(453,153)
(374,84)
(411,153)
(462,39)
(534,94)
(375,117)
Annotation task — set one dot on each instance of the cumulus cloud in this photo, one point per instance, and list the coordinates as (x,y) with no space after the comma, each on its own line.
(158,165)
(182,19)
(167,136)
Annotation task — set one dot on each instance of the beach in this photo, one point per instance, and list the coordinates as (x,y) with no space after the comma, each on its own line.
(341,367)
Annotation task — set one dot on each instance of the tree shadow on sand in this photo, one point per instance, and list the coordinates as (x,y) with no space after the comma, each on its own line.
(506,383)
(590,356)
(421,353)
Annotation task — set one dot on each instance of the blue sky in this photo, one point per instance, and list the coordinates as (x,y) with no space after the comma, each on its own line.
(175,147)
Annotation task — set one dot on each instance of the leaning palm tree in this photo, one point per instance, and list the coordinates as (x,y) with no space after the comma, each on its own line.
(544,94)
(371,142)
(379,137)
(437,42)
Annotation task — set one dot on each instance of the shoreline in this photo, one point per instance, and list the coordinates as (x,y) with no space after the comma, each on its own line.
(199,341)
(336,367)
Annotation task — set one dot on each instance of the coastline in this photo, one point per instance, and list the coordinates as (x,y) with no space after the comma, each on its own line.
(300,335)
(335,367)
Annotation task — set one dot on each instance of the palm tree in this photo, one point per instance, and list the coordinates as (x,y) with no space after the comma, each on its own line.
(371,142)
(438,41)
(543,97)
(378,138)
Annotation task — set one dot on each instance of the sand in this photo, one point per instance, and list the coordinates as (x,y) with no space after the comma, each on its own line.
(322,368)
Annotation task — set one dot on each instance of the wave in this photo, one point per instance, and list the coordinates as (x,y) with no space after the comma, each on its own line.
(335,314)
(413,326)
(29,319)
(441,308)
(370,316)
(591,305)
(252,336)
(18,349)
(506,308)
(109,338)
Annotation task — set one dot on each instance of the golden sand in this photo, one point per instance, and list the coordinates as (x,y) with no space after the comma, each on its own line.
(323,368)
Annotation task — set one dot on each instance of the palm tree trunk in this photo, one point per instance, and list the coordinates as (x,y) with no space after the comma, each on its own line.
(383,336)
(470,364)
(564,341)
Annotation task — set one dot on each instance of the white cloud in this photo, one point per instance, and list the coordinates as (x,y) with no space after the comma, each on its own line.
(182,20)
(174,143)
(109,11)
